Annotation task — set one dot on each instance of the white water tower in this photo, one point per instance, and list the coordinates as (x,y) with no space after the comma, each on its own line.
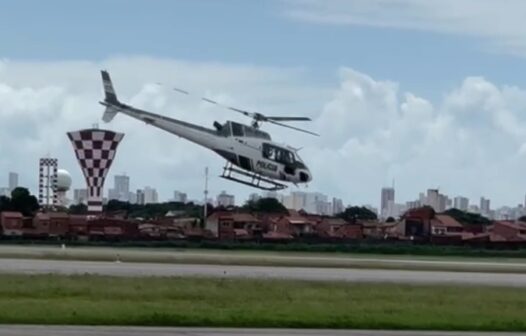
(63,185)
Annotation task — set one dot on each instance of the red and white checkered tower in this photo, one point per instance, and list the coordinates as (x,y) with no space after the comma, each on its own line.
(95,150)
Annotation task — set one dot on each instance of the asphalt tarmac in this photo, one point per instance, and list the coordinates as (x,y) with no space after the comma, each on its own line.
(140,331)
(36,266)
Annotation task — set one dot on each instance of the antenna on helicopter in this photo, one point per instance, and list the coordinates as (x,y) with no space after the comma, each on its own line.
(257,117)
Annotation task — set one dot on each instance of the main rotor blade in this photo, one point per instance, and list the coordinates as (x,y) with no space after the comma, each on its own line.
(291,127)
(211,101)
(289,118)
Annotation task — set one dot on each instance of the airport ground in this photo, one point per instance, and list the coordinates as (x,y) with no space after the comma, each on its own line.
(163,287)
(17,330)
(268,258)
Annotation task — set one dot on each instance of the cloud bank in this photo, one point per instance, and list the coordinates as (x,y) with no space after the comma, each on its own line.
(472,142)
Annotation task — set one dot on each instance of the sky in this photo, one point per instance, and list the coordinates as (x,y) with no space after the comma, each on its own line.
(430,94)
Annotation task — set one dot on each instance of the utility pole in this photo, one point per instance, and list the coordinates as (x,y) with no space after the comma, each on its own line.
(205,204)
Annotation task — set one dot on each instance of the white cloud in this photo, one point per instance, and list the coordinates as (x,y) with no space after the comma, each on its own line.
(41,101)
(500,22)
(471,143)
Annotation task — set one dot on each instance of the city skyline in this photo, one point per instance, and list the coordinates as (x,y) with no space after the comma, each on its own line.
(388,102)
(387,202)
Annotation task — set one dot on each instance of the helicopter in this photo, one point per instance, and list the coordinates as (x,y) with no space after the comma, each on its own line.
(252,158)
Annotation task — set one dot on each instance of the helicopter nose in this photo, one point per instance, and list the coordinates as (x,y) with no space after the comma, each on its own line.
(305,176)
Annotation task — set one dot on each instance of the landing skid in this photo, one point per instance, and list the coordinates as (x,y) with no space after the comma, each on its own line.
(251,179)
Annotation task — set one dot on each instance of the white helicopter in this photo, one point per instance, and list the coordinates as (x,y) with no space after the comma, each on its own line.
(252,157)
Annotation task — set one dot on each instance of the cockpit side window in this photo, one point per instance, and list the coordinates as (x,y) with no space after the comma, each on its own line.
(237,129)
(278,154)
(222,130)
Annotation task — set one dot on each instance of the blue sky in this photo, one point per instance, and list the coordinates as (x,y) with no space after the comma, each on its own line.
(427,92)
(248,32)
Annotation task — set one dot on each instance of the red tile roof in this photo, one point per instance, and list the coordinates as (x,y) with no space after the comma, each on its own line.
(11,214)
(334,221)
(235,216)
(514,225)
(446,221)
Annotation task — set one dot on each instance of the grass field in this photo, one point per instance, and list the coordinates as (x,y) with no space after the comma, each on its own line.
(96,300)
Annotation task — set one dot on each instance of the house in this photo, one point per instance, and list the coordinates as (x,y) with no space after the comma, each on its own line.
(39,226)
(58,224)
(378,230)
(228,225)
(442,225)
(416,223)
(179,228)
(149,231)
(295,225)
(12,223)
(510,231)
(338,228)
(112,228)
(78,227)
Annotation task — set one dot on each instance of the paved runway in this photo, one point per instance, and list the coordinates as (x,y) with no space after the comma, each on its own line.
(29,266)
(140,331)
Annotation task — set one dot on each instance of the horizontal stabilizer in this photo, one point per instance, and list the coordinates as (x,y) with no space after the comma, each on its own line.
(109,113)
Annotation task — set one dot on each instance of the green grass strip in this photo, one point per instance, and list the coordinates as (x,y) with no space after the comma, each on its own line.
(98,300)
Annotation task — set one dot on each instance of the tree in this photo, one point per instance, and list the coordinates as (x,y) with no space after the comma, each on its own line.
(354,213)
(467,218)
(22,201)
(5,204)
(266,205)
(78,209)
(390,220)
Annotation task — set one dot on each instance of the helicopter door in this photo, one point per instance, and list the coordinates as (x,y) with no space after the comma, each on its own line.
(245,163)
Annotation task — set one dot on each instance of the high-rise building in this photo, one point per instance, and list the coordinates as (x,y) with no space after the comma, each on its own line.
(274,194)
(5,192)
(484,206)
(388,195)
(225,200)
(180,197)
(121,188)
(132,197)
(337,206)
(422,198)
(13,181)
(95,150)
(461,203)
(412,205)
(140,199)
(443,201)
(436,200)
(150,195)
(317,203)
(80,196)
